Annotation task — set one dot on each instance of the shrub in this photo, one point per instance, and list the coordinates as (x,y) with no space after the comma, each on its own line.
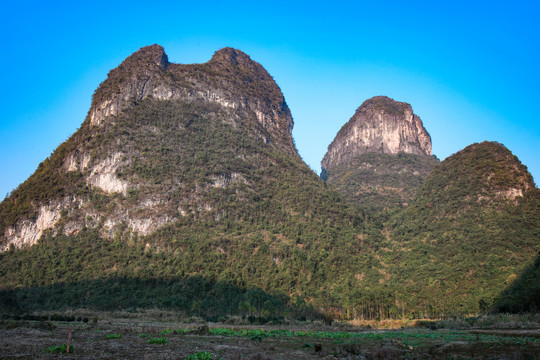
(59,349)
(202,355)
(160,340)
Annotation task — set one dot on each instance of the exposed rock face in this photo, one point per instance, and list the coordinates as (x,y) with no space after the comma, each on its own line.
(380,125)
(230,79)
(100,175)
(27,232)
(380,156)
(103,175)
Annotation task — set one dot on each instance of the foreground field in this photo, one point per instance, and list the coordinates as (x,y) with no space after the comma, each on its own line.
(143,339)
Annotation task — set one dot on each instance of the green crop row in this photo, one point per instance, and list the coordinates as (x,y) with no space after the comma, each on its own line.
(399,335)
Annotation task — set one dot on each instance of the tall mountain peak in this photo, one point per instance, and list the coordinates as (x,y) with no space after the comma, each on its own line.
(379,125)
(172,109)
(380,156)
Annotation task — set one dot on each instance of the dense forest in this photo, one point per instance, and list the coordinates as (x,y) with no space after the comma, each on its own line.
(379,181)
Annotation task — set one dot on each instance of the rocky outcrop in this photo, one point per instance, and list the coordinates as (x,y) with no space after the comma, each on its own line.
(27,232)
(139,76)
(380,156)
(231,79)
(380,125)
(103,175)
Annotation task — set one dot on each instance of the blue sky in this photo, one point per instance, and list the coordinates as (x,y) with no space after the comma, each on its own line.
(468,68)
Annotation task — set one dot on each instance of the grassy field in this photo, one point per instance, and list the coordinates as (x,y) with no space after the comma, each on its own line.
(109,336)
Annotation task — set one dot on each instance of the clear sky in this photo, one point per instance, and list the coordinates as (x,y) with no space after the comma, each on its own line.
(470,69)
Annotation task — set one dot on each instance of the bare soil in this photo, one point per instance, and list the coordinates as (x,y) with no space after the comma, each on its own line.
(30,339)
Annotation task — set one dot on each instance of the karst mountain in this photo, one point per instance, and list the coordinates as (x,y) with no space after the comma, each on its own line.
(183,190)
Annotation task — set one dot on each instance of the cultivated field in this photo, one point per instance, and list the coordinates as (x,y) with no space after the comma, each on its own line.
(111,337)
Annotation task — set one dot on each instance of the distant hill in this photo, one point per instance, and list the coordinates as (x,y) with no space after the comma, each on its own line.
(380,125)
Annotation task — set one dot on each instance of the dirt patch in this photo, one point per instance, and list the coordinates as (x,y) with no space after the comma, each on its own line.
(128,339)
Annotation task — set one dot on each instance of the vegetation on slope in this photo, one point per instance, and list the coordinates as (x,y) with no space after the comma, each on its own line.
(49,181)
(253,230)
(258,233)
(480,174)
(381,181)
(277,228)
(465,237)
(523,294)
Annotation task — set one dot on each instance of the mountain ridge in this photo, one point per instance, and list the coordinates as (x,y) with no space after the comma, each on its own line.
(147,72)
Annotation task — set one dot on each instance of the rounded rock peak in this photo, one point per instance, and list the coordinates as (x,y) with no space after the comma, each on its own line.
(481,171)
(379,125)
(147,56)
(127,81)
(234,59)
(229,55)
(384,104)
(495,162)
